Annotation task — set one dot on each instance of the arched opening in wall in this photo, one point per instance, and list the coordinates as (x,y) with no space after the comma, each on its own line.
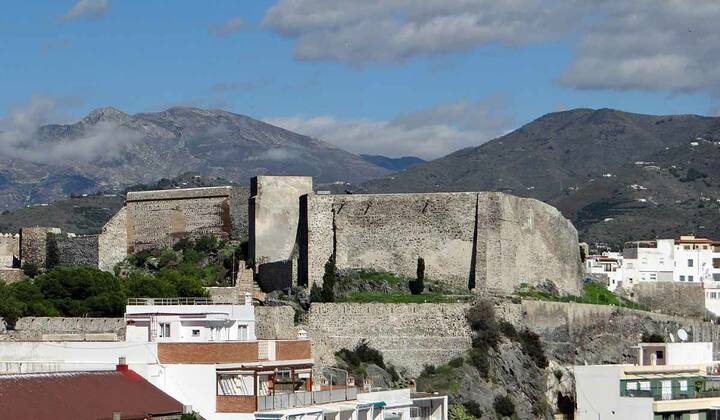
(566,406)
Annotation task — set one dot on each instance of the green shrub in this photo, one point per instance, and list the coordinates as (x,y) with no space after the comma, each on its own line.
(315,293)
(456,362)
(507,329)
(473,408)
(479,359)
(532,347)
(504,406)
(329,277)
(652,338)
(458,412)
(418,285)
(428,369)
(558,374)
(481,318)
(31,270)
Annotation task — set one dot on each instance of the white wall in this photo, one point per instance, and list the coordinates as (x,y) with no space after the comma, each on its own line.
(598,395)
(688,353)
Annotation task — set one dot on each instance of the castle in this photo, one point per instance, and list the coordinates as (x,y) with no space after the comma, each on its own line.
(468,240)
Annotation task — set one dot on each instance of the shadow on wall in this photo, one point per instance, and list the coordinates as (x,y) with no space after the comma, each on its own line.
(275,275)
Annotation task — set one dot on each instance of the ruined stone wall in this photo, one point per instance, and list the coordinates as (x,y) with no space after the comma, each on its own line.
(468,240)
(34,246)
(274,218)
(66,329)
(160,218)
(683,299)
(11,275)
(239,198)
(9,249)
(408,335)
(275,322)
(112,242)
(411,335)
(68,249)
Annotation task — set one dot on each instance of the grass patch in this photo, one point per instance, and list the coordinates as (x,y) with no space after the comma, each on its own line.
(593,293)
(361,296)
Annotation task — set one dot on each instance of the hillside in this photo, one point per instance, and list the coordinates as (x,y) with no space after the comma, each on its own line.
(393,164)
(561,158)
(109,150)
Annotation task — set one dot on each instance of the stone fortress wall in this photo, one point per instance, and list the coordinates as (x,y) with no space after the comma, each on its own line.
(149,219)
(9,249)
(468,240)
(160,218)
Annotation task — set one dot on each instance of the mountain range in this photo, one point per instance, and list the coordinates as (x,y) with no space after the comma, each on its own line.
(109,150)
(616,175)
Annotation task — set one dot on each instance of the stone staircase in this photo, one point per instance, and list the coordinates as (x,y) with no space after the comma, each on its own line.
(245,283)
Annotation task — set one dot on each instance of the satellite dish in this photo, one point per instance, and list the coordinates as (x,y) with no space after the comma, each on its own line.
(682,335)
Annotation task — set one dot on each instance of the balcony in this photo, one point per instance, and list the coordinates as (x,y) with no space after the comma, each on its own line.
(234,351)
(657,395)
(304,399)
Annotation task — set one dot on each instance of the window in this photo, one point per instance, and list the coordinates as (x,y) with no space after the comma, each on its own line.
(242,332)
(645,386)
(683,385)
(690,278)
(713,295)
(716,276)
(659,354)
(682,278)
(164,330)
(661,261)
(196,333)
(690,263)
(653,276)
(631,386)
(686,246)
(716,262)
(629,265)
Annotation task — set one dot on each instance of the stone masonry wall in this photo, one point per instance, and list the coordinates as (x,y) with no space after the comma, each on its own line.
(275,322)
(274,217)
(468,240)
(673,298)
(66,329)
(239,197)
(160,218)
(33,245)
(112,242)
(64,249)
(9,249)
(411,335)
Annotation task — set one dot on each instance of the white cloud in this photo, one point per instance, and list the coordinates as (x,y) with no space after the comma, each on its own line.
(391,30)
(233,25)
(19,136)
(90,9)
(428,133)
(670,45)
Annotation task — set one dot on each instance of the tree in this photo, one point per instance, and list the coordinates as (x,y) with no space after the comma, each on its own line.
(328,287)
(31,270)
(316,294)
(418,285)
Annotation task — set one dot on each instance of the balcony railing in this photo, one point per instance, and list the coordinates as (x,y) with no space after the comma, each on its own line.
(304,399)
(172,301)
(681,395)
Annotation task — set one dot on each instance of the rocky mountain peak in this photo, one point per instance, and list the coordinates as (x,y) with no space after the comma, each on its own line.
(108,114)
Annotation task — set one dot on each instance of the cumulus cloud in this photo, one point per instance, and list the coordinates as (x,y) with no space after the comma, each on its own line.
(391,30)
(89,9)
(670,45)
(650,44)
(20,138)
(428,133)
(233,25)
(276,154)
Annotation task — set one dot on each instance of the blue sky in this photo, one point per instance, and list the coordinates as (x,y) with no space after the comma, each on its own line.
(393,77)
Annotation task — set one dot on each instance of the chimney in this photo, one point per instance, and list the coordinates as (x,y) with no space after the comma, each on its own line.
(116,415)
(248,299)
(121,367)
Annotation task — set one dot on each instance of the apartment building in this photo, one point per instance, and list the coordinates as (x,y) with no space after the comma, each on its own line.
(671,381)
(609,264)
(206,355)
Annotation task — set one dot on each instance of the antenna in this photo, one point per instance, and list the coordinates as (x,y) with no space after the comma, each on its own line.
(682,335)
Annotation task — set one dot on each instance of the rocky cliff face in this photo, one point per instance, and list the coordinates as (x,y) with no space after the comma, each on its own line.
(110,149)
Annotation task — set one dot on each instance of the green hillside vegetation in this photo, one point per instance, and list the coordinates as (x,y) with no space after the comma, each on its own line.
(71,291)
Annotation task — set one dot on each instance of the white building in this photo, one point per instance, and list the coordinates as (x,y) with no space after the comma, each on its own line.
(671,380)
(609,264)
(648,261)
(206,355)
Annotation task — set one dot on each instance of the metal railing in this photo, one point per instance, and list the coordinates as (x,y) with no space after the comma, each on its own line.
(172,301)
(304,399)
(681,395)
